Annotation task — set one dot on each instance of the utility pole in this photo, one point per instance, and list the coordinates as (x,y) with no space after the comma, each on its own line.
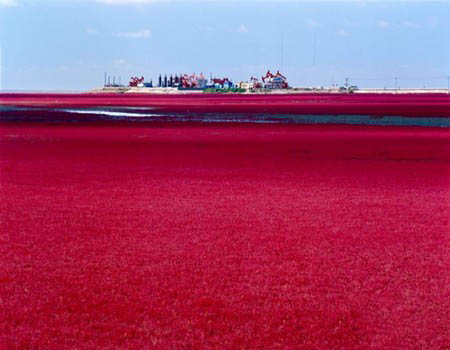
(314,53)
(346,82)
(1,86)
(282,50)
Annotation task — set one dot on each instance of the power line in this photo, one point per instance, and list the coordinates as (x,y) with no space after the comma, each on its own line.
(440,78)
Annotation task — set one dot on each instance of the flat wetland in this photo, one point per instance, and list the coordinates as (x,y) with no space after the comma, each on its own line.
(224,236)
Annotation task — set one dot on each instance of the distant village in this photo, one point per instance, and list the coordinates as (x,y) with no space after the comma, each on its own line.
(200,82)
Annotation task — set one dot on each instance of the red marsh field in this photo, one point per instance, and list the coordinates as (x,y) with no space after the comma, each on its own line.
(224,236)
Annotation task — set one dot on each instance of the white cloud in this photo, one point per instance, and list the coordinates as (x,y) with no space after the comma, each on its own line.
(8,3)
(206,28)
(359,2)
(312,23)
(363,3)
(119,61)
(410,24)
(120,2)
(242,29)
(140,34)
(143,2)
(343,33)
(91,31)
(383,24)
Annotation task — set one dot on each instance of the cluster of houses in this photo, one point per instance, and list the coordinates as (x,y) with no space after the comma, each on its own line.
(199,82)
(269,81)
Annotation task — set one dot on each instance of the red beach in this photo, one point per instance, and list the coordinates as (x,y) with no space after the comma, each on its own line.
(224,236)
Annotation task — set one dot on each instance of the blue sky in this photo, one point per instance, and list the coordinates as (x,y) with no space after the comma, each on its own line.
(68,45)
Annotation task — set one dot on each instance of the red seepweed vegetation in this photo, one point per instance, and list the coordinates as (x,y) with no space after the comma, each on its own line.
(181,236)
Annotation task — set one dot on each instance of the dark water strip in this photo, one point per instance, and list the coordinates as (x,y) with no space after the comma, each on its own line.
(136,115)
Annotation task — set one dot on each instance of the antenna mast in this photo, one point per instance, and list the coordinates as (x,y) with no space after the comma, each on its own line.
(282,50)
(1,76)
(314,53)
